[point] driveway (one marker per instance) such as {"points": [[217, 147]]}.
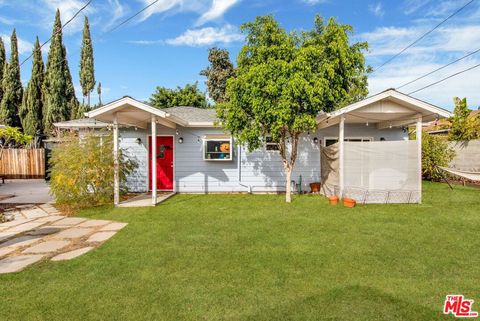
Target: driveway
{"points": [[25, 191]]}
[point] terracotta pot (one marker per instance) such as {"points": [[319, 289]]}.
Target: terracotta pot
{"points": [[348, 202], [333, 200], [315, 187]]}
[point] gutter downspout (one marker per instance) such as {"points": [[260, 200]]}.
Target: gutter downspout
{"points": [[239, 170]]}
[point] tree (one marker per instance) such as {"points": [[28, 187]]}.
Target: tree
{"points": [[284, 80], [31, 113], [87, 73], [2, 65], [99, 92], [12, 88], [57, 87], [190, 95], [464, 127], [220, 70], [435, 152], [73, 104]]}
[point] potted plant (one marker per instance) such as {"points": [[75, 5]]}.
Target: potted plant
{"points": [[333, 200], [315, 187], [349, 202]]}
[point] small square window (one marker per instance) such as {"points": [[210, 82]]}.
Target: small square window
{"points": [[270, 144], [217, 149]]}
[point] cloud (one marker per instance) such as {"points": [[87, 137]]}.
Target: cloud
{"points": [[207, 36], [67, 9], [146, 42], [377, 9], [9, 21], [117, 11], [24, 46], [163, 6], [412, 6], [218, 8]]}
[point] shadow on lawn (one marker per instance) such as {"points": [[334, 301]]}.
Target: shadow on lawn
{"points": [[351, 303]]}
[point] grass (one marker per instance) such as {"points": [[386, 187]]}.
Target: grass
{"points": [[253, 257]]}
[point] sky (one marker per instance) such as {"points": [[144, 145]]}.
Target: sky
{"points": [[167, 44]]}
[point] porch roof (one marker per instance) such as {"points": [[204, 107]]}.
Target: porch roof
{"points": [[389, 108], [132, 112]]}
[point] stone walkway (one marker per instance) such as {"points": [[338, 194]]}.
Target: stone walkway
{"points": [[42, 232]]}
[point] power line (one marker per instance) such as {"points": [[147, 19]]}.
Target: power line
{"points": [[423, 36], [130, 18], [440, 68], [443, 79], [64, 25]]}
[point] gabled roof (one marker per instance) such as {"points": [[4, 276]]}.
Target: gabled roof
{"points": [[80, 123], [132, 112], [387, 106]]}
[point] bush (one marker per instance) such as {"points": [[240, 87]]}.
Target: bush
{"points": [[435, 152], [82, 172]]}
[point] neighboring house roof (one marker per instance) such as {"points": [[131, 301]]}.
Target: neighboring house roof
{"points": [[443, 125], [81, 123], [389, 108], [193, 115]]}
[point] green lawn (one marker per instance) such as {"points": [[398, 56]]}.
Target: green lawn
{"points": [[253, 257]]}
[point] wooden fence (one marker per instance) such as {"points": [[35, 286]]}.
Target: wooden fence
{"points": [[22, 163]]}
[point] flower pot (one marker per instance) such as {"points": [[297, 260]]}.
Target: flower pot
{"points": [[314, 187], [333, 200], [348, 202]]}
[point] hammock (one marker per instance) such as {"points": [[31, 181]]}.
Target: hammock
{"points": [[473, 176]]}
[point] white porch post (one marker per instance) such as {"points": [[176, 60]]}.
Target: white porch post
{"points": [[116, 166], [154, 159], [419, 151], [341, 154]]}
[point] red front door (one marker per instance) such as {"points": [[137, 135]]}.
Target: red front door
{"points": [[164, 162]]}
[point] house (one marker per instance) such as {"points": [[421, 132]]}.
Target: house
{"points": [[363, 146], [442, 127]]}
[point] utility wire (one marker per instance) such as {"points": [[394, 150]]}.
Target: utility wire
{"points": [[440, 68], [131, 17], [423, 36], [443, 79], [64, 25]]}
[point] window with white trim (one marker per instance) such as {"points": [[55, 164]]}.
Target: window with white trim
{"points": [[217, 148], [270, 144], [332, 140]]}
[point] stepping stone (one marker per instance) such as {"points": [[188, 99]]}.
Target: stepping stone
{"points": [[70, 221], [72, 254], [25, 227], [20, 241], [5, 251], [15, 222], [115, 226], [94, 223], [34, 213], [48, 246], [100, 236], [50, 218], [73, 233], [46, 230], [7, 235], [17, 263]]}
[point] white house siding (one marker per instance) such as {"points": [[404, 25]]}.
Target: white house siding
{"points": [[260, 171]]}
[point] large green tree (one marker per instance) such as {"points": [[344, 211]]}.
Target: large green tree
{"points": [[12, 88], [59, 96], [283, 80], [31, 113], [218, 72], [2, 65], [189, 95], [87, 72]]}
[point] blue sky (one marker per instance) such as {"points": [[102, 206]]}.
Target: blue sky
{"points": [[168, 44]]}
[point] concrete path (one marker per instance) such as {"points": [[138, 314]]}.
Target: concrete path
{"points": [[25, 191], [41, 232]]}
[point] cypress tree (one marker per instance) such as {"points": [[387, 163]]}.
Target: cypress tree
{"points": [[2, 65], [31, 113], [73, 104], [87, 72], [99, 92], [12, 88], [56, 91]]}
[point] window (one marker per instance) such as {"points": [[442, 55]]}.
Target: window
{"points": [[217, 148], [332, 140], [270, 144]]}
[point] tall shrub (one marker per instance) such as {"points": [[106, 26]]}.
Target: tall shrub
{"points": [[435, 152], [82, 171]]}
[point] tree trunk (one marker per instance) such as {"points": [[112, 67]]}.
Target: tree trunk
{"points": [[288, 187], [88, 100]]}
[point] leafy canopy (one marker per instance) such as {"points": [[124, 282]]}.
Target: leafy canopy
{"points": [[87, 70], [13, 137], [435, 152], [464, 126], [220, 70], [189, 95], [284, 80]]}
